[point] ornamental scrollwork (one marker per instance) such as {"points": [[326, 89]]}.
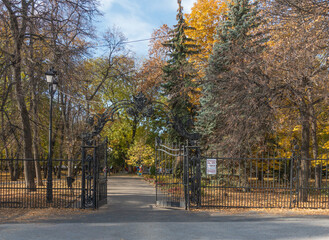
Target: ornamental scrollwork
{"points": [[138, 107]]}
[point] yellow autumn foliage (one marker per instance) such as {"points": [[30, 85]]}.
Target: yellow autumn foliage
{"points": [[140, 154], [204, 18]]}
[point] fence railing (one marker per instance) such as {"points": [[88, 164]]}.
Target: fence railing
{"points": [[264, 182], [183, 174], [14, 192]]}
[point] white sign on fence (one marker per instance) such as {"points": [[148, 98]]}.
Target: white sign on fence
{"points": [[211, 166]]}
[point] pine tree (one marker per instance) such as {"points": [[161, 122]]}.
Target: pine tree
{"points": [[234, 107], [179, 73]]}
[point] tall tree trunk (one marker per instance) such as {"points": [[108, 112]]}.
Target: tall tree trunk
{"points": [[70, 166], [134, 129], [18, 26], [36, 149], [69, 133], [27, 136], [62, 133], [305, 146], [34, 103], [315, 146], [12, 166], [242, 170]]}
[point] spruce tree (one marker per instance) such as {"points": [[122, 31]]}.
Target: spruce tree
{"points": [[179, 73], [234, 108]]}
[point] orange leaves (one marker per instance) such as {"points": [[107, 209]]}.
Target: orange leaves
{"points": [[150, 74]]}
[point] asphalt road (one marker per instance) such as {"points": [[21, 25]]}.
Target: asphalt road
{"points": [[131, 215]]}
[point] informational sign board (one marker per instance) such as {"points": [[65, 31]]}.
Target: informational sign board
{"points": [[211, 166]]}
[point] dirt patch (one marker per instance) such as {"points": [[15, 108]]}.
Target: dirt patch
{"points": [[10, 215]]}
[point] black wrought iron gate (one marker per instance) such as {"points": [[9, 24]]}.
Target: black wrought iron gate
{"points": [[169, 169], [94, 175], [178, 174]]}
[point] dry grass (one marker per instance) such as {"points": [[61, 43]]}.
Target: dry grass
{"points": [[256, 198], [259, 196], [15, 194], [10, 215]]}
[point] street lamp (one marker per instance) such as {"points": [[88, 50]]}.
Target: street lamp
{"points": [[52, 83]]}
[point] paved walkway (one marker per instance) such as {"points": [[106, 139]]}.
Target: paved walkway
{"points": [[131, 215]]}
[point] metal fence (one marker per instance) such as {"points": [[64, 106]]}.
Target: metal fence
{"points": [[14, 192], [75, 183], [263, 183], [186, 177]]}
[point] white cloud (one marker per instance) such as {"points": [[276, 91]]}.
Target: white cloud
{"points": [[172, 5], [106, 4], [132, 26], [187, 5]]}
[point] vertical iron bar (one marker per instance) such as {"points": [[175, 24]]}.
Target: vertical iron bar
{"points": [[156, 170], [291, 179], [188, 175], [83, 178], [95, 170]]}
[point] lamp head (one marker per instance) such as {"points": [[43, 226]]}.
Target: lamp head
{"points": [[50, 74]]}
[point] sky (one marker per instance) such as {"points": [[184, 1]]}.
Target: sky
{"points": [[138, 18]]}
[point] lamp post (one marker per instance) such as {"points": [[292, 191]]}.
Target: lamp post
{"points": [[52, 83]]}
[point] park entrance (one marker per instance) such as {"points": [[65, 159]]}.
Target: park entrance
{"points": [[186, 175]]}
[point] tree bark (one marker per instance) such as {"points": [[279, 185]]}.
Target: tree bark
{"points": [[34, 104], [36, 154], [27, 136], [315, 149], [243, 178], [305, 146], [18, 26]]}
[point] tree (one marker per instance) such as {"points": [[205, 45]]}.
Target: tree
{"points": [[179, 72], [141, 153], [298, 8], [150, 74], [35, 32], [299, 74], [18, 22], [235, 113]]}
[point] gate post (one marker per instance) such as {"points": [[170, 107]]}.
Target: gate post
{"points": [[83, 183], [156, 170], [95, 176], [105, 152], [198, 173], [193, 174], [186, 177], [291, 180]]}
